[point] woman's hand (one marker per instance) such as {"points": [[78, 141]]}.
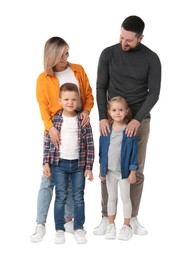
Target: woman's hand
{"points": [[85, 117], [55, 136]]}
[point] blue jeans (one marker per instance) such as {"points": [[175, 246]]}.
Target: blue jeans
{"points": [[44, 199], [61, 175]]}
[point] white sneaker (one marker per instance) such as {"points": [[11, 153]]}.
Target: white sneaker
{"points": [[125, 233], [59, 237], [101, 229], [39, 233], [80, 236], [69, 227], [137, 228], [111, 232]]}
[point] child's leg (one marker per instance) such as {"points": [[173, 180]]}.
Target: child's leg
{"points": [[61, 178], [125, 195], [112, 188], [78, 186], [69, 207]]}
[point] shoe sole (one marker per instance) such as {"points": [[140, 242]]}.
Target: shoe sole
{"points": [[58, 243], [37, 241], [143, 233], [124, 239]]}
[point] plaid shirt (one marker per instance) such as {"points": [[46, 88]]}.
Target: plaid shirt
{"points": [[51, 154]]}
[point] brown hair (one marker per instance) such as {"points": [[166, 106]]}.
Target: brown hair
{"points": [[68, 87]]}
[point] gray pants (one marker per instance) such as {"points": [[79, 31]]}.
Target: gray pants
{"points": [[136, 188], [113, 180]]}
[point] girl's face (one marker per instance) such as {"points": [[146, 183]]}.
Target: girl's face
{"points": [[69, 101], [117, 111], [62, 64]]}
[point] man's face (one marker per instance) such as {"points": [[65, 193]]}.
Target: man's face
{"points": [[129, 40]]}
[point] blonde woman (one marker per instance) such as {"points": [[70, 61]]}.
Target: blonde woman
{"points": [[57, 71]]}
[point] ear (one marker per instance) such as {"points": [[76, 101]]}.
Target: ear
{"points": [[141, 37], [59, 101]]}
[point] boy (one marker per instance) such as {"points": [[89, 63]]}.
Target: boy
{"points": [[73, 158]]}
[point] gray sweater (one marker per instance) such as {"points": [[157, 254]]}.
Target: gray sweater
{"points": [[134, 75]]}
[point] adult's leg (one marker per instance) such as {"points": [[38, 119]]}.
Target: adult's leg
{"points": [[137, 188], [43, 203], [104, 199], [44, 199]]}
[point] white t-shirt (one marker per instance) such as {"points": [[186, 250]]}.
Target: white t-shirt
{"points": [[69, 138], [68, 76]]}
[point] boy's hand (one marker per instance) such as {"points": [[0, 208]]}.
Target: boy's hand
{"points": [[89, 175], [46, 171]]}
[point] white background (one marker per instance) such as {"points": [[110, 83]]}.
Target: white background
{"points": [[88, 27]]}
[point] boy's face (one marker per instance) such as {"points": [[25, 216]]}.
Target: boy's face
{"points": [[69, 100]]}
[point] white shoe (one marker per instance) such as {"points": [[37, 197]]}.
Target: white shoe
{"points": [[39, 233], [69, 227], [101, 229], [111, 232], [59, 237], [137, 228], [80, 236], [125, 233]]}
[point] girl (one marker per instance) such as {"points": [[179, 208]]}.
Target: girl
{"points": [[118, 157]]}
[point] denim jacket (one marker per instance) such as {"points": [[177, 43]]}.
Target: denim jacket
{"points": [[129, 154]]}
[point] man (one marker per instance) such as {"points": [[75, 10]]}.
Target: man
{"points": [[133, 71]]}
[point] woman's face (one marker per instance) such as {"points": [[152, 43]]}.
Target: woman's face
{"points": [[62, 64]]}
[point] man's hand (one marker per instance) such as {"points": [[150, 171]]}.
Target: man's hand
{"points": [[132, 127], [104, 127]]}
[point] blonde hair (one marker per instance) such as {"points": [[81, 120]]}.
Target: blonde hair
{"points": [[128, 117], [53, 51]]}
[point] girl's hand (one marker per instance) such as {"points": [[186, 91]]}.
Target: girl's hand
{"points": [[132, 177], [102, 178]]}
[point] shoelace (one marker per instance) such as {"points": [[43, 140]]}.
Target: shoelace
{"points": [[124, 230], [80, 233], [110, 229], [60, 234]]}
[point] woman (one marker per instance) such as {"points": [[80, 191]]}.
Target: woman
{"points": [[57, 71]]}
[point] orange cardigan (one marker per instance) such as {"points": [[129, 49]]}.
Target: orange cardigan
{"points": [[47, 94]]}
